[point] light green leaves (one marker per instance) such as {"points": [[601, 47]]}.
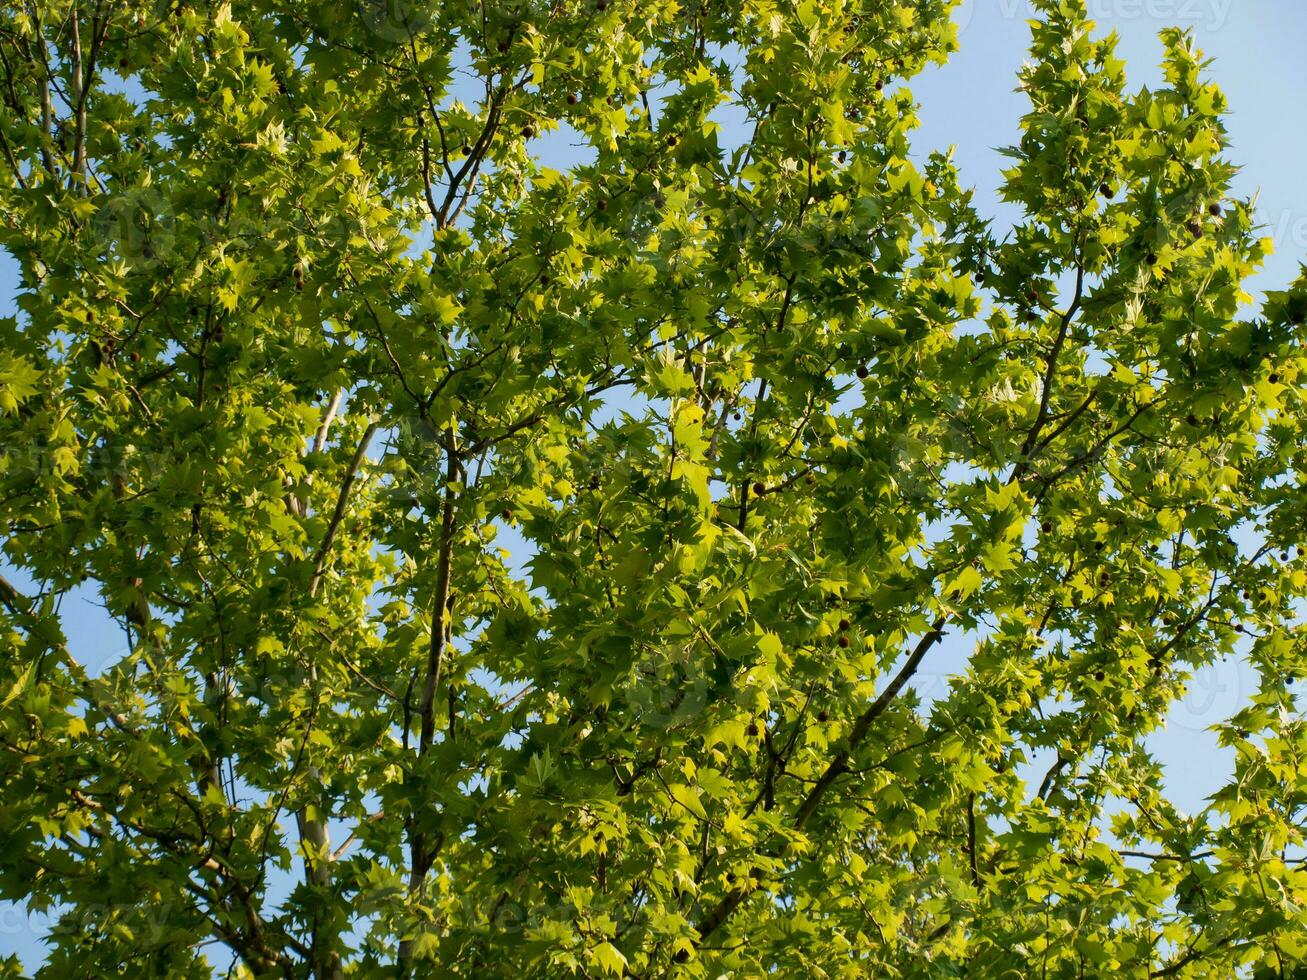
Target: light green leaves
{"points": [[760, 566], [19, 381], [609, 959]]}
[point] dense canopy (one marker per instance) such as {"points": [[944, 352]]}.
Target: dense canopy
{"points": [[535, 450]]}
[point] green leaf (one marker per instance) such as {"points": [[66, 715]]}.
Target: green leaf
{"points": [[609, 959]]}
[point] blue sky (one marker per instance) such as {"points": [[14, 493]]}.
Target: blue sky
{"points": [[971, 104], [1258, 51], [1258, 59]]}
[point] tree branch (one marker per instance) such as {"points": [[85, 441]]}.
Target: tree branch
{"points": [[839, 764], [342, 501], [711, 922], [1050, 372]]}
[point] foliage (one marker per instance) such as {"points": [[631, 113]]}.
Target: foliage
{"points": [[531, 571]]}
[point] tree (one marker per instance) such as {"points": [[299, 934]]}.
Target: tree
{"points": [[530, 572]]}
